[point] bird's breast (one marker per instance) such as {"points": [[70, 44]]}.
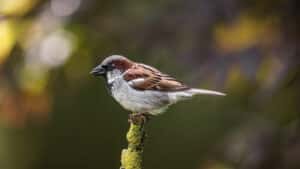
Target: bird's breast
{"points": [[135, 100]]}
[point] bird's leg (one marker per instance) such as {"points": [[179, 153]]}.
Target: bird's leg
{"points": [[138, 118]]}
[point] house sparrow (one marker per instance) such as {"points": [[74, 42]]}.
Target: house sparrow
{"points": [[143, 89]]}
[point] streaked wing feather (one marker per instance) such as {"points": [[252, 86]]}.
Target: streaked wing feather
{"points": [[152, 79]]}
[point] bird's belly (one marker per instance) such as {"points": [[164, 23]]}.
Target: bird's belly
{"points": [[140, 101]]}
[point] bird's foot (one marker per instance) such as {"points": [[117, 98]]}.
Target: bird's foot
{"points": [[138, 118]]}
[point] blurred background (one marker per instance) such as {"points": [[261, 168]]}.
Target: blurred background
{"points": [[55, 115]]}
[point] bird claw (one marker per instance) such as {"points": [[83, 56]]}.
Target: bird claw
{"points": [[138, 118]]}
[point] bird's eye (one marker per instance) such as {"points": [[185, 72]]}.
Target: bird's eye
{"points": [[108, 67]]}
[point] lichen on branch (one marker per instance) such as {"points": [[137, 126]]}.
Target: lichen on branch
{"points": [[131, 157]]}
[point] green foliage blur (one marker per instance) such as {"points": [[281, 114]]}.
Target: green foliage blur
{"points": [[55, 115]]}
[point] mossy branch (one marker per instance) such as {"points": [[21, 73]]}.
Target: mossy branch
{"points": [[131, 158]]}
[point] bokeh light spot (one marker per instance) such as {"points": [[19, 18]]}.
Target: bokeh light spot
{"points": [[7, 39], [64, 7], [56, 49]]}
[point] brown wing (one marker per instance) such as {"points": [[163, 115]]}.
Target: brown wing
{"points": [[143, 77]]}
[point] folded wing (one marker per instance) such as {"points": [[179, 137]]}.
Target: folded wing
{"points": [[144, 77]]}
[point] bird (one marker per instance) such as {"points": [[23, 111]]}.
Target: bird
{"points": [[143, 89]]}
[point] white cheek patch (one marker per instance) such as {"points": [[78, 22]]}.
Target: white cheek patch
{"points": [[112, 76], [110, 80]]}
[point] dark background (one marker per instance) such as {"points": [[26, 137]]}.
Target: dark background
{"points": [[55, 115]]}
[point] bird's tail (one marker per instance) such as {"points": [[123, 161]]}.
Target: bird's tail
{"points": [[187, 94], [194, 91]]}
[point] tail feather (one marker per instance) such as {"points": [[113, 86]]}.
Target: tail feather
{"points": [[194, 91], [187, 94]]}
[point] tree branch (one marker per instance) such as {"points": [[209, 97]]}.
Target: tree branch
{"points": [[131, 158]]}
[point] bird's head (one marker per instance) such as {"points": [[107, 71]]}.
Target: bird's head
{"points": [[114, 64]]}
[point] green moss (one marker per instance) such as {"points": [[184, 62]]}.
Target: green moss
{"points": [[134, 135], [131, 157]]}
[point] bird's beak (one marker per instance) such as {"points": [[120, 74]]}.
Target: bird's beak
{"points": [[98, 71]]}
